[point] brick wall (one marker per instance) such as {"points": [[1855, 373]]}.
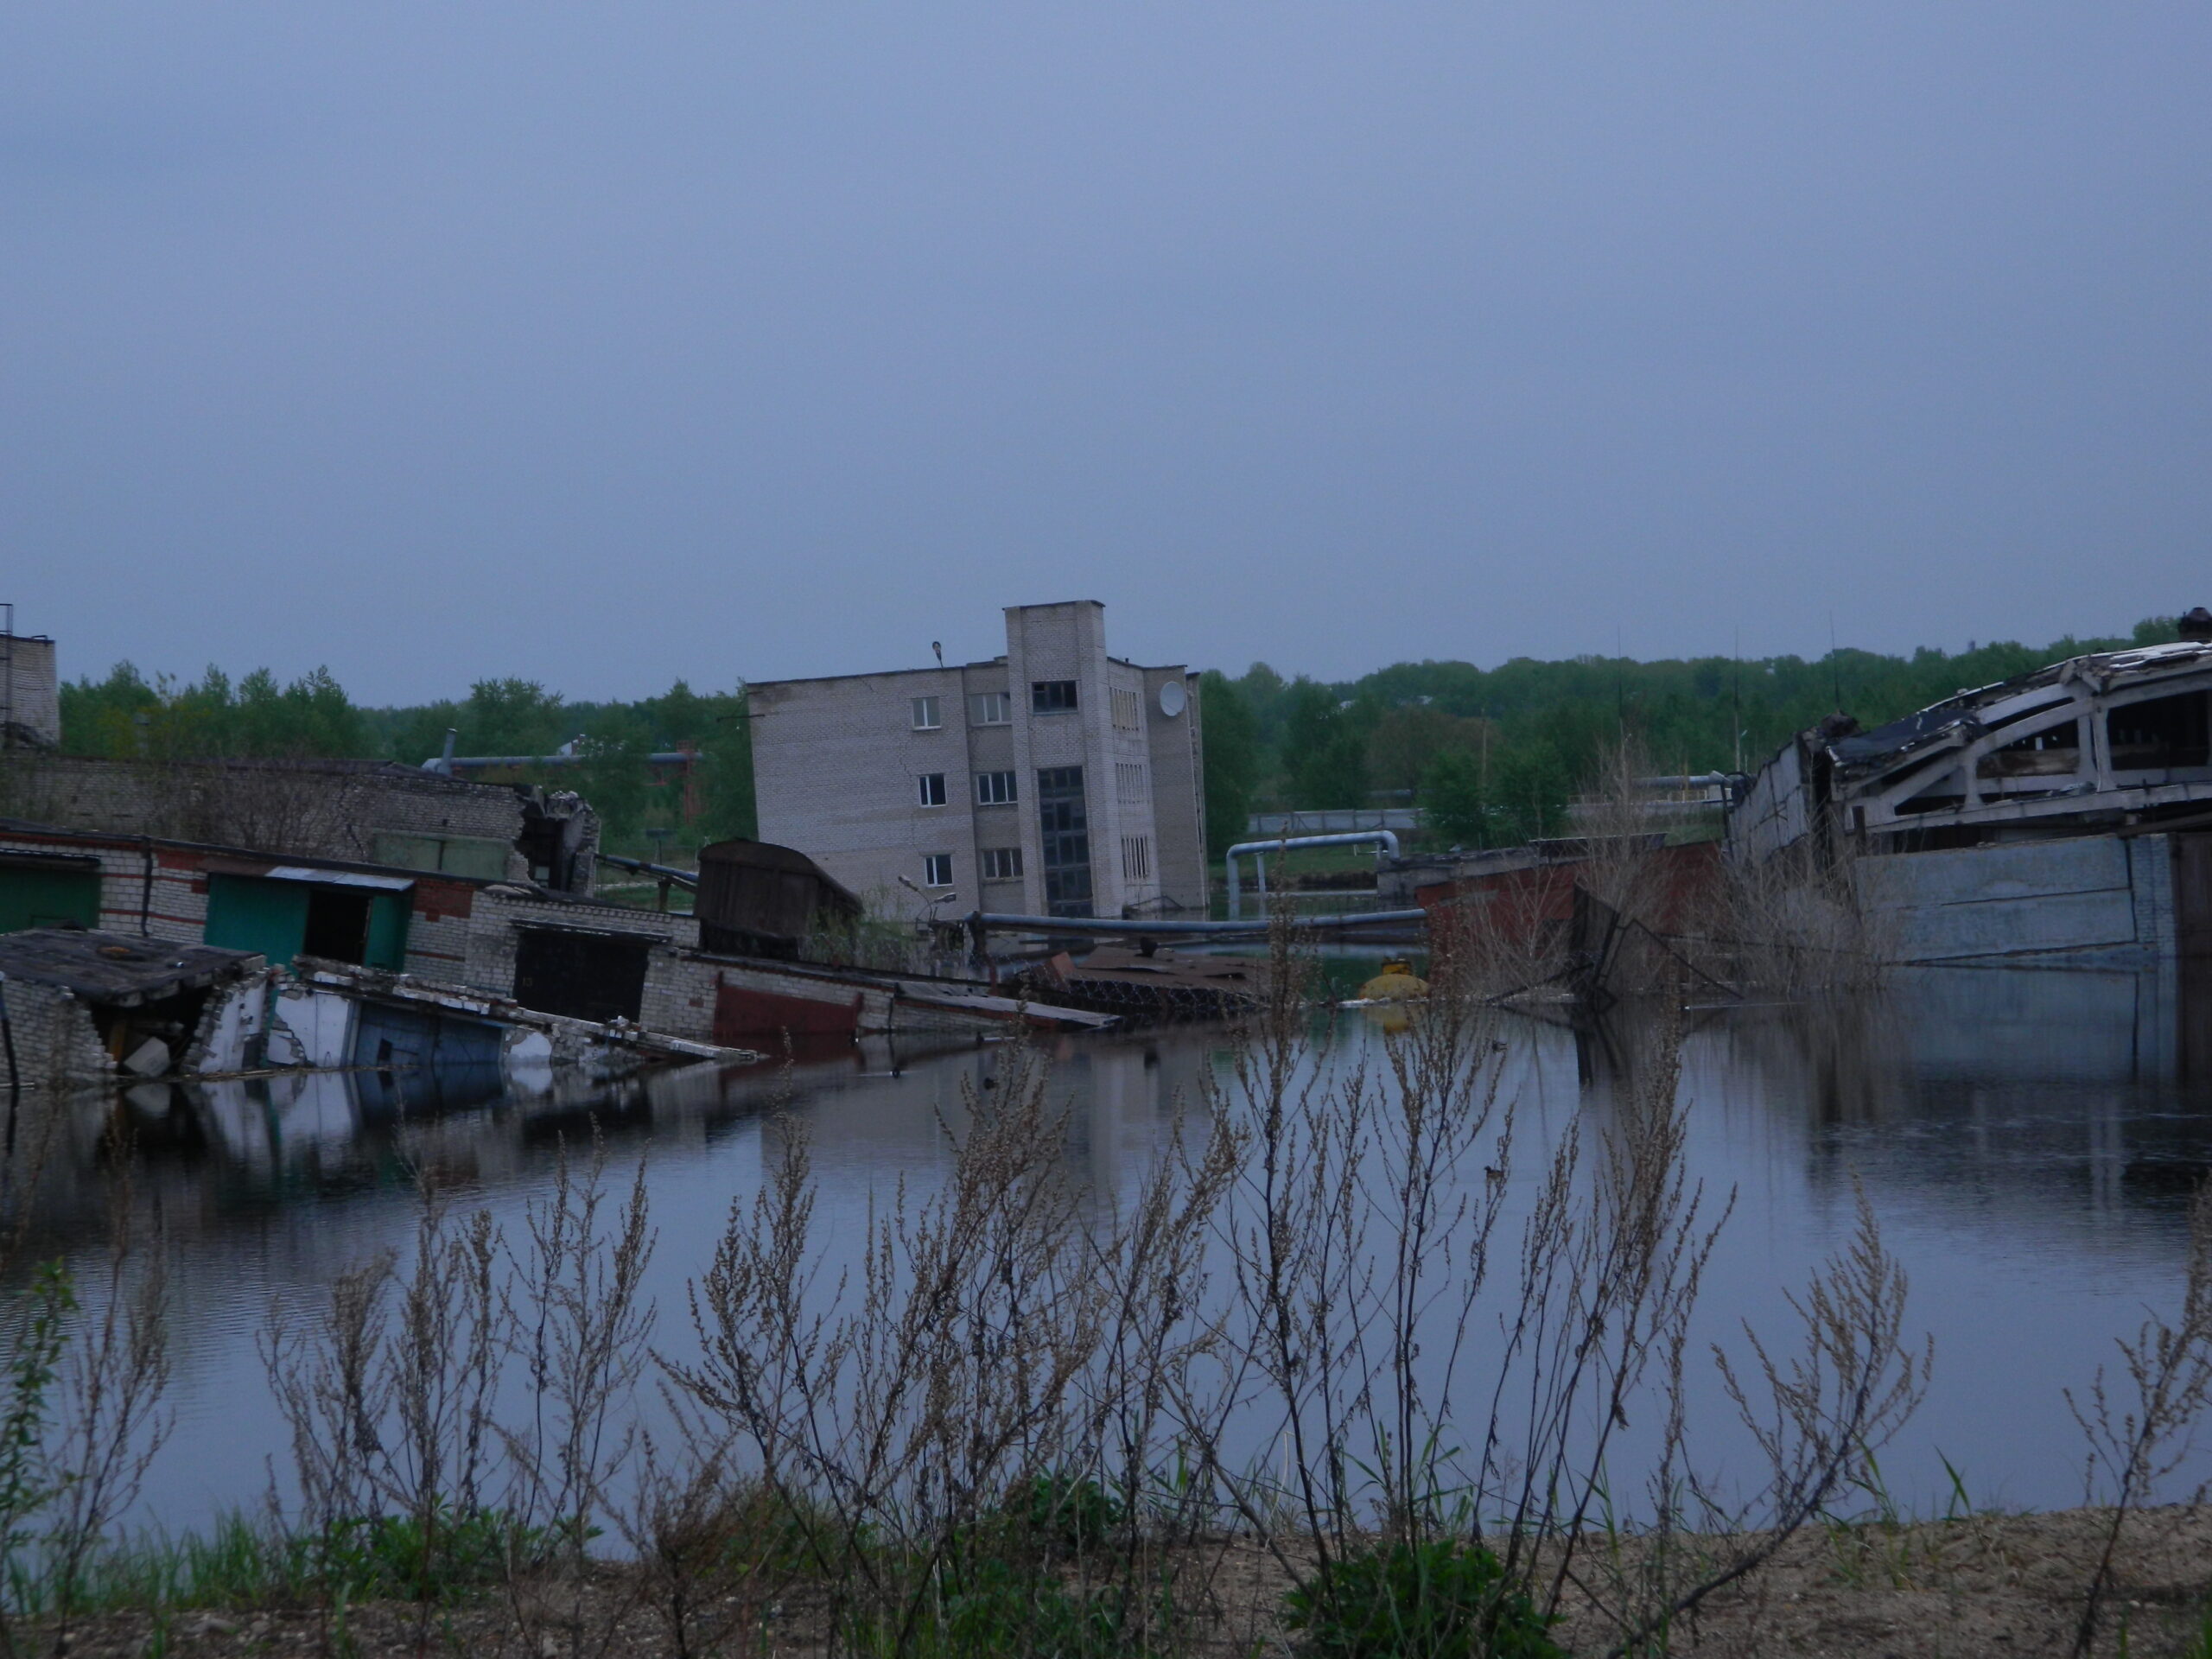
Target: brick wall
{"points": [[836, 766], [30, 690], [680, 995], [498, 915], [55, 1042], [310, 809], [437, 929], [1179, 793]]}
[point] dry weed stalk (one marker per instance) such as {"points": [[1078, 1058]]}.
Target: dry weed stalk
{"points": [[1360, 1230], [1003, 1351], [1818, 1413], [109, 1420], [1793, 925], [393, 1394], [2137, 1442], [583, 1336]]}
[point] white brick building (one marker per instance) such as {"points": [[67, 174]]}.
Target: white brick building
{"points": [[1055, 779]]}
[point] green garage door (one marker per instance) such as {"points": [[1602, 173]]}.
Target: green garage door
{"points": [[48, 893], [267, 918], [281, 920]]}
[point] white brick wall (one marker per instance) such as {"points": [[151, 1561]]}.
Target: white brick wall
{"points": [[56, 1043], [30, 690]]}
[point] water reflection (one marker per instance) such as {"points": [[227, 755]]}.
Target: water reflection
{"points": [[2028, 1139]]}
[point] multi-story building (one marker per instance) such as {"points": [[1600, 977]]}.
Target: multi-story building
{"points": [[1053, 781]]}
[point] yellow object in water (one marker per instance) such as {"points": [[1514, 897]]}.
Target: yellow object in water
{"points": [[1397, 982]]}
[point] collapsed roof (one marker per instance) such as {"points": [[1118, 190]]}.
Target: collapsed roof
{"points": [[2089, 742]]}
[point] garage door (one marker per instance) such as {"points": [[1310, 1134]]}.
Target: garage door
{"points": [[585, 976], [48, 893]]}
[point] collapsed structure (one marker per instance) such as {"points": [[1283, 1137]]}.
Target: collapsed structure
{"points": [[2065, 814]]}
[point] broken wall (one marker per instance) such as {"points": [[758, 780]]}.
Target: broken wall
{"points": [[360, 813], [55, 1041]]}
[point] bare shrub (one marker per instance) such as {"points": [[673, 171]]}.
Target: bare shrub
{"points": [[582, 1333], [1000, 1380], [111, 1422], [417, 1471], [2140, 1437], [1793, 925], [1818, 1413]]}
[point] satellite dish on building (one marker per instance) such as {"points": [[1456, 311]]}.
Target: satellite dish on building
{"points": [[1172, 698]]}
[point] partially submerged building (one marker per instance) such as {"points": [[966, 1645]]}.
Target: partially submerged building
{"points": [[79, 1004], [2061, 814], [1057, 779]]}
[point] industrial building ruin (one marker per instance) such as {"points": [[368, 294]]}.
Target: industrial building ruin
{"points": [[2085, 745], [2063, 814]]}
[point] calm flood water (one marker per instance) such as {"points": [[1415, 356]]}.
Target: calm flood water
{"points": [[2027, 1139]]}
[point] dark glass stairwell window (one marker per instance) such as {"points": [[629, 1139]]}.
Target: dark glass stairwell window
{"points": [[1067, 841]]}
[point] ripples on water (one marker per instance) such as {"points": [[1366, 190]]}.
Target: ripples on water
{"points": [[2028, 1139]]}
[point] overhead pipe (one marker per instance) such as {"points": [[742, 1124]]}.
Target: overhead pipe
{"points": [[1259, 849], [1121, 928], [666, 872], [447, 761]]}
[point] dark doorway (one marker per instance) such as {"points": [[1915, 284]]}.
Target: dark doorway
{"points": [[584, 975], [338, 925], [1066, 831]]}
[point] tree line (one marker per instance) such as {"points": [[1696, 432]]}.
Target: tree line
{"points": [[128, 717], [1492, 754]]}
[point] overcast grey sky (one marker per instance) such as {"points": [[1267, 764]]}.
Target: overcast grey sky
{"points": [[606, 344]]}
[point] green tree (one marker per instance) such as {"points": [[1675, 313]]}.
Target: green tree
{"points": [[1231, 742], [1451, 800], [613, 771], [1529, 786], [513, 716], [1405, 741], [1324, 750]]}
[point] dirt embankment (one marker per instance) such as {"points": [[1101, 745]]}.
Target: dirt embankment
{"points": [[2009, 1585]]}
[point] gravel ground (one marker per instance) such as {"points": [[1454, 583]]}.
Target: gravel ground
{"points": [[1985, 1585]]}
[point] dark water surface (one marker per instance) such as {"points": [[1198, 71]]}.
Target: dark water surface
{"points": [[2027, 1139]]}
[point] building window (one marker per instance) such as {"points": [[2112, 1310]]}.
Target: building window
{"points": [[1128, 709], [937, 869], [1136, 858], [1002, 864], [925, 714], [995, 789], [1067, 832], [991, 708], [1051, 697], [1128, 781], [932, 788]]}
